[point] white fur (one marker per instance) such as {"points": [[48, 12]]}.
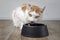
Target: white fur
{"points": [[19, 17]]}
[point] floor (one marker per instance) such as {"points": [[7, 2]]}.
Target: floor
{"points": [[9, 32]]}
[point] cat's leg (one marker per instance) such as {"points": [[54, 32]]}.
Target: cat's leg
{"points": [[21, 26]]}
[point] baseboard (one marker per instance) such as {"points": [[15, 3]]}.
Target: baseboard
{"points": [[42, 19]]}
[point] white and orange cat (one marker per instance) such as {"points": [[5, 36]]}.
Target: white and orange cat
{"points": [[25, 14]]}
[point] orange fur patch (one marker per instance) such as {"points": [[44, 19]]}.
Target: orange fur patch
{"points": [[24, 7], [36, 9]]}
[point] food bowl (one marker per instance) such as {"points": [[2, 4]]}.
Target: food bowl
{"points": [[34, 30]]}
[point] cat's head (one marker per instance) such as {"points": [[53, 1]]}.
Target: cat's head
{"points": [[34, 12]]}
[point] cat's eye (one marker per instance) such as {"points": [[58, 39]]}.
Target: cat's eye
{"points": [[36, 16], [32, 9], [30, 15]]}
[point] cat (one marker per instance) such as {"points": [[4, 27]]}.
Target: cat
{"points": [[26, 14]]}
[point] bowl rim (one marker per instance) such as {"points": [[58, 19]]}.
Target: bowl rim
{"points": [[41, 24]]}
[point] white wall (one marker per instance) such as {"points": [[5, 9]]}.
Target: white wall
{"points": [[52, 11]]}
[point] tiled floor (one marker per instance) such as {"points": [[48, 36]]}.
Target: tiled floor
{"points": [[9, 32]]}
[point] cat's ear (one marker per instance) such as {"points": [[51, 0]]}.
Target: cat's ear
{"points": [[23, 7], [42, 9]]}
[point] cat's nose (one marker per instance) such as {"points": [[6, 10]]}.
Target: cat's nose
{"points": [[32, 21]]}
